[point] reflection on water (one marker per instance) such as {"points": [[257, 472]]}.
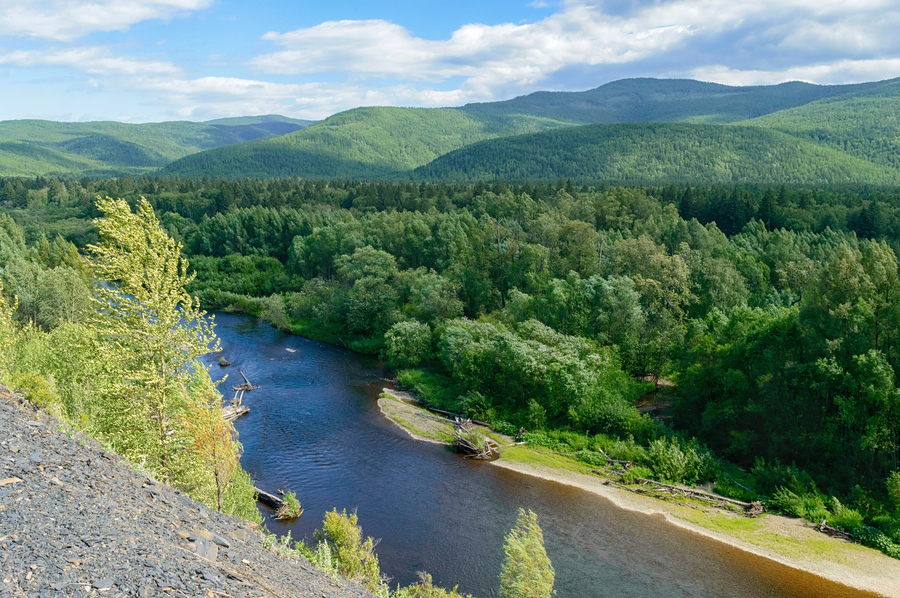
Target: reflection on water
{"points": [[314, 428]]}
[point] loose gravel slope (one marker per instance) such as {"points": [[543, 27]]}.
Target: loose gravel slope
{"points": [[75, 520]]}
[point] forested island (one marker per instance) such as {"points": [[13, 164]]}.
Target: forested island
{"points": [[767, 316]]}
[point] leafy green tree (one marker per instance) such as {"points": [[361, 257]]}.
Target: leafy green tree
{"points": [[407, 344], [152, 327], [527, 571]]}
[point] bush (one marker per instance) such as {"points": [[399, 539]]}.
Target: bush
{"points": [[505, 428], [541, 439], [809, 506], [274, 312], [844, 518], [290, 508], [621, 450], [591, 458], [873, 538], [633, 473], [353, 557], [675, 463]]}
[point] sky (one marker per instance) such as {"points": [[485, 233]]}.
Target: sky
{"points": [[157, 60]]}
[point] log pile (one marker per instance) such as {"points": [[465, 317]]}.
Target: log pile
{"points": [[471, 445], [235, 410]]}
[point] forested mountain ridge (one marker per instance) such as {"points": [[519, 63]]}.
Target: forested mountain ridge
{"points": [[658, 153], [666, 100], [363, 142], [846, 134], [41, 147]]}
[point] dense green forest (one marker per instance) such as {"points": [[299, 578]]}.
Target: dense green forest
{"points": [[668, 100], [773, 311], [359, 143], [658, 153], [36, 147]]}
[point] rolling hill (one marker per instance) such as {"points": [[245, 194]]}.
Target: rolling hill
{"points": [[38, 147], [851, 129], [359, 143], [657, 153]]}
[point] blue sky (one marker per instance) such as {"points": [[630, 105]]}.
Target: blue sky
{"points": [[153, 60]]}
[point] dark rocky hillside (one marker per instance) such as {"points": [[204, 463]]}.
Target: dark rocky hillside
{"points": [[77, 521]]}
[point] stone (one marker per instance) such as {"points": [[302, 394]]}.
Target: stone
{"points": [[103, 584], [206, 549]]}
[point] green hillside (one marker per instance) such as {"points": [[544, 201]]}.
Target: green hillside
{"points": [[38, 147], [865, 125], [657, 153], [362, 143], [666, 100], [386, 142]]}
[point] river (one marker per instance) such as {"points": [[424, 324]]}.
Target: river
{"points": [[314, 427]]}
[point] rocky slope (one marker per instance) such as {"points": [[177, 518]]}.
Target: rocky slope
{"points": [[75, 520]]}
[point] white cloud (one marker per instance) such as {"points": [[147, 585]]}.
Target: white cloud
{"points": [[581, 35], [227, 96], [842, 71], [95, 60], [65, 20]]}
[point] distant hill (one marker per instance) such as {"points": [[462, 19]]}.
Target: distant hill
{"points": [[38, 147], [666, 100], [865, 124], [359, 143], [852, 121], [657, 153]]}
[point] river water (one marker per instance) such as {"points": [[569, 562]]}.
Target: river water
{"points": [[314, 427]]}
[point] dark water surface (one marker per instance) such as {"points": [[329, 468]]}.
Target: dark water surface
{"points": [[314, 427]]}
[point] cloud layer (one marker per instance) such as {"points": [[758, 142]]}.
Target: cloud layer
{"points": [[317, 70]]}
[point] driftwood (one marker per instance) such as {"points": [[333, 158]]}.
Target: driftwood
{"points": [[246, 386], [833, 532], [270, 500], [231, 412], [473, 448], [235, 409], [656, 489]]}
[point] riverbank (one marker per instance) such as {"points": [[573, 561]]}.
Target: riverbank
{"points": [[788, 541]]}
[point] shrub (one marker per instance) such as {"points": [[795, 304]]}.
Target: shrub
{"points": [[354, 558], [873, 538], [893, 489], [633, 473], [290, 508], [809, 506], [541, 439], [591, 458], [675, 463], [505, 428], [424, 588], [843, 517]]}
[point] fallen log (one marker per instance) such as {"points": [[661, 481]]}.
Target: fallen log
{"points": [[246, 386], [833, 532], [270, 500]]}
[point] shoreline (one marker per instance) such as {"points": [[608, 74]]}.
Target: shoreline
{"points": [[838, 561]]}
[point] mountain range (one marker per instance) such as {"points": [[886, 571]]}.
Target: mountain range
{"points": [[634, 130]]}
